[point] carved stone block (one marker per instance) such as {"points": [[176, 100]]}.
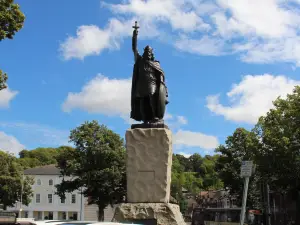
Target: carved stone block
{"points": [[149, 162], [151, 213]]}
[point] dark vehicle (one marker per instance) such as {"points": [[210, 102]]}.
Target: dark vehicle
{"points": [[224, 216]]}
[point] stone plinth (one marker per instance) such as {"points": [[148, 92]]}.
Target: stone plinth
{"points": [[151, 213], [149, 162]]}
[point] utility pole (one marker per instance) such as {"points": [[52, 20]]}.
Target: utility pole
{"points": [[246, 172], [266, 200], [21, 199], [244, 203], [81, 204]]}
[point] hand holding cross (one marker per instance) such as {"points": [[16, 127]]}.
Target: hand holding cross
{"points": [[136, 27]]}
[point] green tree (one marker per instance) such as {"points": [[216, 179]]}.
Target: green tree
{"points": [[182, 179], [97, 165], [279, 132], [3, 79], [195, 173], [41, 156], [12, 20], [210, 176], [27, 163], [196, 162], [177, 170], [184, 162], [242, 145], [13, 183], [183, 205]]}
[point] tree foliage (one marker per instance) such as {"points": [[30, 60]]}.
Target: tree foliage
{"points": [[3, 79], [39, 156], [243, 145], [279, 132], [12, 180], [11, 21], [273, 145], [97, 164], [194, 174], [11, 17]]}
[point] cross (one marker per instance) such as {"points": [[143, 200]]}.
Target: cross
{"points": [[136, 26]]}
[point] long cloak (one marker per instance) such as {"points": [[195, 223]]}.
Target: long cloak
{"points": [[136, 113]]}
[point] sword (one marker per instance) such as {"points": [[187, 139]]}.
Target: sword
{"points": [[136, 27]]}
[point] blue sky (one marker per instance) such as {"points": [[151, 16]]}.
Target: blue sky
{"points": [[224, 61]]}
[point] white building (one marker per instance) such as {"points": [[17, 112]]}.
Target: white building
{"points": [[46, 205]]}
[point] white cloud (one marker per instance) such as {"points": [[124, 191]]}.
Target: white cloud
{"points": [[176, 13], [92, 40], [204, 46], [6, 95], [268, 18], [110, 97], [10, 144], [252, 97], [270, 51], [186, 155], [258, 31], [40, 135], [175, 122], [182, 120], [185, 138], [102, 95]]}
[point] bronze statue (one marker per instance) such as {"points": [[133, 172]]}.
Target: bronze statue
{"points": [[148, 92]]}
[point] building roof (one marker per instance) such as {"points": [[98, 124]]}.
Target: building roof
{"points": [[43, 170]]}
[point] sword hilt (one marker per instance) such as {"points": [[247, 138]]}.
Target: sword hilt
{"points": [[135, 26]]}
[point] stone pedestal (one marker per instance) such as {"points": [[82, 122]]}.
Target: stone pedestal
{"points": [[149, 214], [149, 162]]}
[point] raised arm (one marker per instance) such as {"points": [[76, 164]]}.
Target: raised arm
{"points": [[134, 41]]}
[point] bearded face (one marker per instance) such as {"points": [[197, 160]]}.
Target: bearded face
{"points": [[148, 53]]}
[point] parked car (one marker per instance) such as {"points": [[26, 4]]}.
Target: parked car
{"points": [[57, 222]]}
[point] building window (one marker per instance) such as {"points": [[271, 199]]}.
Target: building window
{"points": [[38, 182], [64, 215], [40, 215], [73, 200], [50, 216], [50, 182], [75, 216], [63, 200], [37, 198], [50, 200], [26, 214]]}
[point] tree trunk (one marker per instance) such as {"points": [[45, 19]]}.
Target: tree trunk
{"points": [[100, 213], [298, 208], [267, 201]]}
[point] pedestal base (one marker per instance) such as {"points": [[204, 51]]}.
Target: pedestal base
{"points": [[149, 214], [149, 162]]}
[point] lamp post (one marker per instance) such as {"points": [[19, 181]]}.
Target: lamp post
{"points": [[21, 199], [81, 202]]}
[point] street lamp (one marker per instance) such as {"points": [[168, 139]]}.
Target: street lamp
{"points": [[81, 201], [21, 199]]}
